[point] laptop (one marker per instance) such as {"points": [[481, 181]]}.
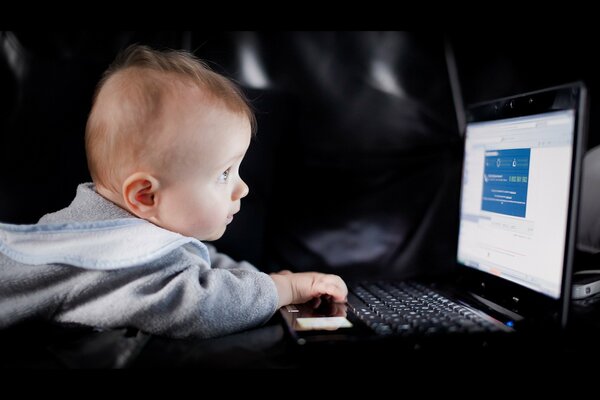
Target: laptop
{"points": [[519, 196]]}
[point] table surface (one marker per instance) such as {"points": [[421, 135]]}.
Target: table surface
{"points": [[269, 347]]}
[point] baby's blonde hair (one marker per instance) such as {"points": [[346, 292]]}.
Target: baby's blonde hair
{"points": [[122, 120]]}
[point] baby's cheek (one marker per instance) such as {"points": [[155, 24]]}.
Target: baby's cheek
{"points": [[209, 223]]}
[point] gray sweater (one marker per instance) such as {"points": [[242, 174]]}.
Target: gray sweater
{"points": [[177, 295]]}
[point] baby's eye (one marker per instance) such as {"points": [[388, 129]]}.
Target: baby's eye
{"points": [[224, 176]]}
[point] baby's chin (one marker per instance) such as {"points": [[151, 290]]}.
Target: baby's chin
{"points": [[210, 238]]}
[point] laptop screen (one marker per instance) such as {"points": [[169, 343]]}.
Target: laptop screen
{"points": [[516, 193]]}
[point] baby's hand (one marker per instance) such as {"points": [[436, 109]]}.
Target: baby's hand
{"points": [[296, 288]]}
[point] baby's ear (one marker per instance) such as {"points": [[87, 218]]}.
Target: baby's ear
{"points": [[139, 191]]}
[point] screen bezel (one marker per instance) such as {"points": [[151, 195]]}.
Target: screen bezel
{"points": [[517, 298]]}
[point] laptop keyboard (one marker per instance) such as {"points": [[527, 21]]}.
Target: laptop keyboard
{"points": [[407, 308]]}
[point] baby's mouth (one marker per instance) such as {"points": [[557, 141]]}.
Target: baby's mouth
{"points": [[230, 216]]}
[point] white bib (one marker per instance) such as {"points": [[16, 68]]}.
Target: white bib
{"points": [[100, 245]]}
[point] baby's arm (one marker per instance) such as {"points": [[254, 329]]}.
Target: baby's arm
{"points": [[220, 260], [296, 288]]}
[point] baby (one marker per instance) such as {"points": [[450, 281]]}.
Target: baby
{"points": [[164, 141]]}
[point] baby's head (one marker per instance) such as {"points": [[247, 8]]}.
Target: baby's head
{"points": [[165, 140]]}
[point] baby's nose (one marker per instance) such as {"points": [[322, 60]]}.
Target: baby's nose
{"points": [[242, 190]]}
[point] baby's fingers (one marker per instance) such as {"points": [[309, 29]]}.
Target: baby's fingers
{"points": [[285, 272], [335, 287]]}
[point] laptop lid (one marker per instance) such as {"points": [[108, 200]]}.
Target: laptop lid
{"points": [[519, 196]]}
